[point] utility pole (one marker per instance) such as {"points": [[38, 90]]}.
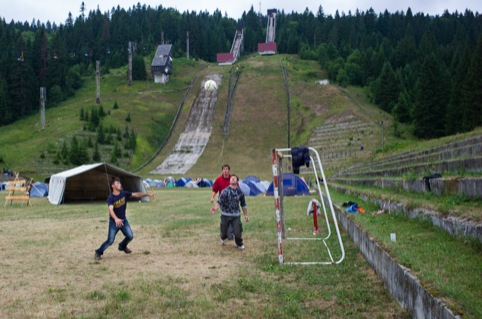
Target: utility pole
{"points": [[43, 98], [97, 80], [131, 49], [187, 45]]}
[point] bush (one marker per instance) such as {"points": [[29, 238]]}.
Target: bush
{"points": [[55, 95]]}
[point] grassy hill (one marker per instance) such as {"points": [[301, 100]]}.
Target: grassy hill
{"points": [[258, 122], [151, 106]]}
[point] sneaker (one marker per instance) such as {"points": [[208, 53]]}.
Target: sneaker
{"points": [[126, 250], [97, 256], [221, 241], [240, 247]]}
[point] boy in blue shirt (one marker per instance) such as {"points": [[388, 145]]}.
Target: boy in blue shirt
{"points": [[117, 203]]}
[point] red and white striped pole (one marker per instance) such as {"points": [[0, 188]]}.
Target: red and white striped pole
{"points": [[315, 217], [277, 207]]}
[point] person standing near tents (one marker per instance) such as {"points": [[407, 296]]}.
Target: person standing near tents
{"points": [[117, 203], [229, 201], [219, 185]]}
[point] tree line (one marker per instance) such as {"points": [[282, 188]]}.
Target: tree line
{"points": [[425, 70]]}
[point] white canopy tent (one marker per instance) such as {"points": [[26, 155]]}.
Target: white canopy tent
{"points": [[90, 182]]}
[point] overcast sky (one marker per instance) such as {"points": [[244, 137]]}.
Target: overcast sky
{"points": [[58, 10]]}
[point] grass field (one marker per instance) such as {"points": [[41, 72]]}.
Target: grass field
{"points": [[178, 269]]}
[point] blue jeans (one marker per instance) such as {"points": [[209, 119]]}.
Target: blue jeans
{"points": [[113, 229]]}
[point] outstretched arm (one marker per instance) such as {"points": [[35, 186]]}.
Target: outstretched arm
{"points": [[141, 195]]}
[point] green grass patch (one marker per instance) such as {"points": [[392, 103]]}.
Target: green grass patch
{"points": [[446, 266]]}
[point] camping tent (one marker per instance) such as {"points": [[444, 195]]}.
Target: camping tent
{"points": [[253, 189], [90, 182], [191, 184], [263, 186], [159, 184], [182, 181], [251, 178], [292, 186], [245, 188], [170, 181], [203, 182], [39, 189]]}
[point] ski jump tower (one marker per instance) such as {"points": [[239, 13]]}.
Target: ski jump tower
{"points": [[236, 48], [269, 46]]}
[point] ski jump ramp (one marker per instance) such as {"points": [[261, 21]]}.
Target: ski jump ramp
{"points": [[193, 140]]}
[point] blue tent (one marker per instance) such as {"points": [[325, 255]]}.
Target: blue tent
{"points": [[292, 186], [251, 178], [245, 188], [203, 182], [39, 190], [253, 188], [157, 183], [182, 181]]}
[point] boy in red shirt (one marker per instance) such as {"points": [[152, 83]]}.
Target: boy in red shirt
{"points": [[219, 185]]}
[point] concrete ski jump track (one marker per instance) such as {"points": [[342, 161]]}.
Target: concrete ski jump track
{"points": [[193, 140]]}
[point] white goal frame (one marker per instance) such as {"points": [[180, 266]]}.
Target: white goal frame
{"points": [[277, 165]]}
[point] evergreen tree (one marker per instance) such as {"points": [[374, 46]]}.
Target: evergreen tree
{"points": [[5, 112], [116, 153], [58, 158], [101, 112], [74, 151], [119, 134], [406, 50], [353, 68], [100, 134], [96, 153], [431, 100], [108, 138], [133, 140], [64, 151], [342, 78], [94, 118], [472, 91], [82, 116], [83, 155], [387, 89], [138, 68], [23, 92], [402, 109], [455, 117], [54, 95]]}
